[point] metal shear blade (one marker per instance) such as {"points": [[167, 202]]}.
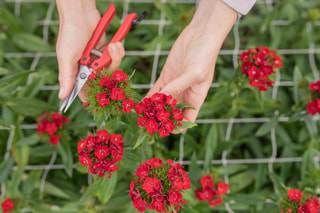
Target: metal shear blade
{"points": [[77, 86]]}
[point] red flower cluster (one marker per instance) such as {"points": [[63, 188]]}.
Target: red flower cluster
{"points": [[209, 192], [109, 91], [157, 186], [314, 106], [158, 114], [101, 152], [301, 205], [7, 205], [259, 63], [50, 125]]}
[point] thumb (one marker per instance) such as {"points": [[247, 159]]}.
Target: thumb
{"points": [[181, 83]]}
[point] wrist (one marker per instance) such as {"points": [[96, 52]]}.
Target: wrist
{"points": [[214, 18], [71, 8]]}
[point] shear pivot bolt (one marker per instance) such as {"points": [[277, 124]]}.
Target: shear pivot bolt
{"points": [[83, 75]]}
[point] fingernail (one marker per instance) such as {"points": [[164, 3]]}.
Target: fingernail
{"points": [[61, 91], [119, 44], [165, 93], [114, 47]]}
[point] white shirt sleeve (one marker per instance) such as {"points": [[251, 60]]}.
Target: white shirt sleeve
{"points": [[241, 6]]}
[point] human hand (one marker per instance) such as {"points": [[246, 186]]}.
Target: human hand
{"points": [[78, 20], [189, 69]]}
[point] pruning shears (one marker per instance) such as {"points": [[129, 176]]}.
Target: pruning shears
{"points": [[87, 66]]}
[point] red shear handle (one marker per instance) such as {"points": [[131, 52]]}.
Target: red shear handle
{"points": [[105, 58], [100, 29]]}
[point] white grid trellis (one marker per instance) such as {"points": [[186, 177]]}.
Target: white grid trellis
{"points": [[47, 22]]}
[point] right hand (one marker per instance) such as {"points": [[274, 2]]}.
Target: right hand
{"points": [[78, 20]]}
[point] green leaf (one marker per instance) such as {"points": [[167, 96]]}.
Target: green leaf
{"points": [[183, 105], [266, 127], [297, 77], [6, 168], [30, 42], [307, 162], [166, 10], [107, 187], [311, 126], [4, 71], [67, 158], [242, 180], [28, 106], [55, 191], [4, 124], [42, 150], [142, 137], [185, 125], [8, 20], [277, 182], [30, 183], [231, 169], [92, 190], [21, 155], [210, 146], [13, 186], [10, 82], [33, 87], [30, 140], [81, 169]]}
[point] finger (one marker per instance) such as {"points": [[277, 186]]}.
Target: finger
{"points": [[67, 74], [178, 85], [195, 96], [102, 42], [83, 94], [116, 52], [156, 87]]}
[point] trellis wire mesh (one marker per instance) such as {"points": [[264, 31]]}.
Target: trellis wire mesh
{"points": [[310, 52]]}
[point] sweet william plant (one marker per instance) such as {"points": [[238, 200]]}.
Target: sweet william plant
{"points": [[69, 187]]}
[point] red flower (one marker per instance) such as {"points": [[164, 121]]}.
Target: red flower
{"points": [[54, 139], [163, 132], [82, 145], [51, 126], [216, 202], [315, 86], [101, 95], [294, 194], [119, 76], [151, 185], [207, 181], [139, 204], [104, 102], [117, 94], [157, 204], [222, 188], [211, 192], [152, 125], [127, 105], [7, 205], [163, 115], [85, 160], [157, 185], [101, 152], [157, 114], [92, 76], [105, 81], [259, 63], [311, 206]]}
